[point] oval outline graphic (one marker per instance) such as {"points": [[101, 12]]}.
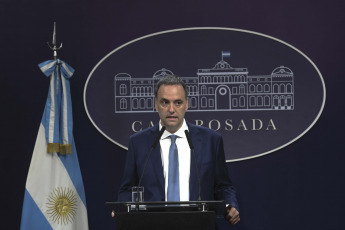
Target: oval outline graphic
{"points": [[213, 28]]}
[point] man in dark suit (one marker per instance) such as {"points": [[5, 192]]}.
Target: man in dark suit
{"points": [[171, 103]]}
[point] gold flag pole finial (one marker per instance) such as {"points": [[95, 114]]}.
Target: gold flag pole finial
{"points": [[54, 43]]}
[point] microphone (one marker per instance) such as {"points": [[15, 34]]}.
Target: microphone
{"points": [[153, 147], [191, 146], [158, 137]]}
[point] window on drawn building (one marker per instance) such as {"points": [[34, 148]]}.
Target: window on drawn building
{"points": [[142, 103], [211, 103], [243, 78], [203, 102], [267, 101], [195, 89], [252, 88], [234, 103], [242, 89], [135, 103], [289, 88], [134, 91], [215, 79], [252, 101], [242, 101], [123, 103], [192, 102], [259, 101], [289, 101], [149, 103], [203, 89], [259, 88], [123, 89], [276, 88], [282, 88], [276, 101]]}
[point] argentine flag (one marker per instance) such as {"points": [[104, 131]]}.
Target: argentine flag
{"points": [[54, 194], [225, 54]]}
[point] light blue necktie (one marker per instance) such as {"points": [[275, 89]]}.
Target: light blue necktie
{"points": [[173, 180]]}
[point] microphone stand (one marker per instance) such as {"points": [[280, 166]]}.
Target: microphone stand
{"points": [[147, 161], [191, 146]]}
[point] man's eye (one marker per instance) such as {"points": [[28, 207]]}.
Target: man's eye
{"points": [[164, 103]]}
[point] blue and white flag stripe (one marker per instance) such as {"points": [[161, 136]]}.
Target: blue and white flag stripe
{"points": [[58, 120], [225, 53], [54, 195]]}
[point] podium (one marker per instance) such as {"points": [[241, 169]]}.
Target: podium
{"points": [[198, 215]]}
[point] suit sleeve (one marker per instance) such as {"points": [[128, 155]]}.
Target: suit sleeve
{"points": [[130, 175], [224, 190]]}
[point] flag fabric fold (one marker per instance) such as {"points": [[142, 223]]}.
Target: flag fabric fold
{"points": [[57, 117], [54, 194]]}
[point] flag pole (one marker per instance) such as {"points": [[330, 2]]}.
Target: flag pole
{"points": [[54, 46]]}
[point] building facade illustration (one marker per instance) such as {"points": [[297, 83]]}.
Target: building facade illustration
{"points": [[221, 88]]}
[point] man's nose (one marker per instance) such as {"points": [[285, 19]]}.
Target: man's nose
{"points": [[171, 108]]}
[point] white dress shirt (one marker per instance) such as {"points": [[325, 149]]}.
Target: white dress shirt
{"points": [[183, 157]]}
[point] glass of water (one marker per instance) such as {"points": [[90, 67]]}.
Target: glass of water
{"points": [[137, 194]]}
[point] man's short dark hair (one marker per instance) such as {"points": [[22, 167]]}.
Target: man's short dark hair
{"points": [[171, 80]]}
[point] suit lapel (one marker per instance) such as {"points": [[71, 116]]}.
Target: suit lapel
{"points": [[193, 184], [156, 162]]}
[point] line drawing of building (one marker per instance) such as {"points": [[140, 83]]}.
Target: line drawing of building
{"points": [[221, 88]]}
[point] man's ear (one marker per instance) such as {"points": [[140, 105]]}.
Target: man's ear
{"points": [[156, 104], [187, 104]]}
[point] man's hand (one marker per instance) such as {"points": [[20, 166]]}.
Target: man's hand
{"points": [[233, 216]]}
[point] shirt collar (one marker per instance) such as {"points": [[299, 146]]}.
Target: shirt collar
{"points": [[180, 133]]}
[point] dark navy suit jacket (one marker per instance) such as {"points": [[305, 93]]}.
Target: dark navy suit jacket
{"points": [[209, 152]]}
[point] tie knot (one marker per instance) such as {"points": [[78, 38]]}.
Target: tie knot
{"points": [[173, 138]]}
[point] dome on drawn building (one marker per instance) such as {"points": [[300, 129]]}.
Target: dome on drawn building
{"points": [[162, 73], [123, 76], [282, 71], [222, 65]]}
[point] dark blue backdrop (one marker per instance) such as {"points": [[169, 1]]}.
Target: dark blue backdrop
{"points": [[298, 187]]}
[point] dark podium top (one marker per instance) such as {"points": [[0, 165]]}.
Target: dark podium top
{"points": [[168, 206], [183, 215]]}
